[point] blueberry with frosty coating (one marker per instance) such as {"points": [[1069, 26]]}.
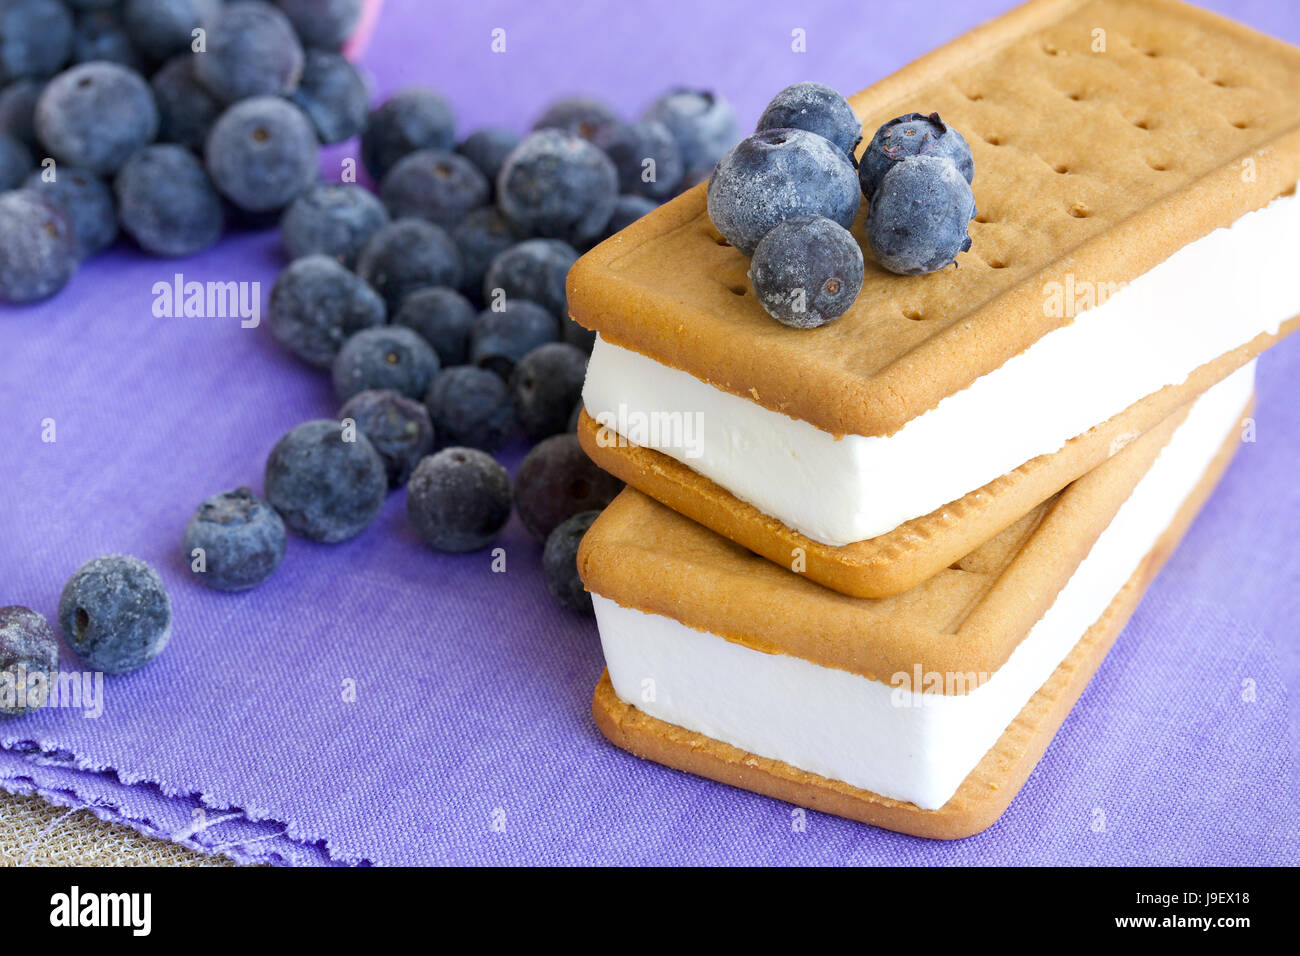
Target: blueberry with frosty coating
{"points": [[252, 51], [115, 614], [325, 486], [488, 148], [186, 111], [101, 35], [578, 116], [556, 481], [18, 110], [95, 115], [920, 217], [164, 28], [35, 38], [262, 153], [458, 500], [334, 220], [15, 162], [38, 249], [558, 186], [316, 305], [807, 271], [544, 385], [87, 202], [470, 406], [433, 184], [398, 427], [534, 269], [560, 562], [776, 175], [167, 203], [702, 122], [406, 255], [240, 539], [326, 25], [818, 109], [502, 338], [387, 356], [334, 95], [29, 658], [411, 120], [913, 134], [646, 156], [444, 318], [480, 237]]}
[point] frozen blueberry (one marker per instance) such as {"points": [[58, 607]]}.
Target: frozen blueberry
{"points": [[95, 115], [186, 111], [334, 95], [920, 216], [558, 186], [913, 134], [18, 110], [15, 162], [164, 28], [776, 175], [627, 210], [702, 123], [818, 109], [544, 385], [29, 660], [577, 116], [252, 51], [35, 38], [501, 338], [326, 483], [487, 149], [411, 120], [398, 427], [317, 304], [470, 406], [807, 271], [480, 237], [115, 614], [38, 249], [534, 270], [557, 481], [406, 255], [167, 203], [388, 356], [435, 185], [458, 500], [87, 202], [234, 541], [646, 156], [560, 562], [100, 35], [574, 416], [325, 24], [335, 221], [262, 153], [444, 318]]}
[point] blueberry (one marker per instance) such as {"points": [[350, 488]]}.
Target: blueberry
{"points": [[29, 660], [167, 203], [317, 304], [398, 427], [702, 123], [388, 356], [335, 221], [502, 338], [577, 116], [325, 486], [262, 153], [458, 500], [15, 162], [776, 175], [646, 156], [574, 416], [558, 186], [334, 95], [627, 210], [406, 255], [35, 38], [807, 271], [435, 185], [470, 406], [38, 249], [480, 237], [325, 24], [920, 217], [560, 562], [544, 385], [100, 35], [252, 51], [411, 120], [487, 149], [18, 110], [444, 318], [534, 270], [164, 28], [913, 134], [817, 109], [186, 111], [95, 115], [87, 202], [240, 539], [115, 614], [557, 481]]}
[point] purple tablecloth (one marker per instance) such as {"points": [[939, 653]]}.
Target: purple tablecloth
{"points": [[469, 739]]}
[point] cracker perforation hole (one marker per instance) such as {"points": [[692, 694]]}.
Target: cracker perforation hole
{"points": [[1050, 49], [1142, 124], [1157, 165], [737, 289], [983, 218], [1080, 211], [974, 97], [1061, 168], [722, 241], [993, 140], [1239, 124], [913, 313], [1074, 96], [996, 263]]}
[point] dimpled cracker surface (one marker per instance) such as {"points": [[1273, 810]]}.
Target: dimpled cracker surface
{"points": [[1092, 163]]}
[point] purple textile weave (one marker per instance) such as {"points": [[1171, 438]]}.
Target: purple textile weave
{"points": [[470, 738]]}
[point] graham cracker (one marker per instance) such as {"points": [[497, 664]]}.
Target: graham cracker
{"points": [[1092, 165]]}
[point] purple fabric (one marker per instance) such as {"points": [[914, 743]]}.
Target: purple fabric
{"points": [[472, 688]]}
